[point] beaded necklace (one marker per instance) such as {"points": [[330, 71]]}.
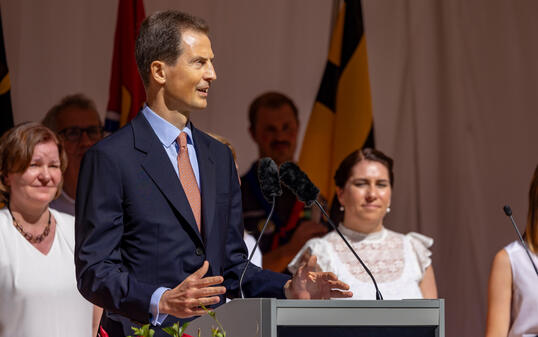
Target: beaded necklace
{"points": [[28, 236]]}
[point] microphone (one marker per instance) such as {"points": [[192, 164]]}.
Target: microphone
{"points": [[270, 185], [508, 212], [269, 179], [299, 183]]}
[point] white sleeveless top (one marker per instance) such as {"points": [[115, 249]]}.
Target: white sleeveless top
{"points": [[524, 308], [38, 293], [397, 261]]}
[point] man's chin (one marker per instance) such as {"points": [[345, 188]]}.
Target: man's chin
{"points": [[200, 104]]}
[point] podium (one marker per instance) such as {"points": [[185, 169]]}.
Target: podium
{"points": [[269, 317]]}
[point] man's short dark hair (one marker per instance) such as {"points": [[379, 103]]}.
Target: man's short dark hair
{"points": [[271, 100], [77, 101], [159, 38]]}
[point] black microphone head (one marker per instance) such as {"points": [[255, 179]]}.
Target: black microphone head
{"points": [[507, 210], [298, 182], [269, 179]]}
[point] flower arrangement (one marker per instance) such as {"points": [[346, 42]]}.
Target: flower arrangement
{"points": [[176, 330]]}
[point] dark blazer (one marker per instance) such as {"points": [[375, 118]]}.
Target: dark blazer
{"points": [[135, 230]]}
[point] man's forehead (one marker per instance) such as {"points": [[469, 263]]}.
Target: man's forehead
{"points": [[268, 114], [75, 116], [196, 42]]}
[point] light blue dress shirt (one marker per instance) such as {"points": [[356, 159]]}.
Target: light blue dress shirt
{"points": [[167, 134]]}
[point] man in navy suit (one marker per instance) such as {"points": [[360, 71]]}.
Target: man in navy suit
{"points": [[144, 251]]}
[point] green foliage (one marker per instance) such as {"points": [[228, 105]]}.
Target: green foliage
{"points": [[175, 330], [144, 331]]}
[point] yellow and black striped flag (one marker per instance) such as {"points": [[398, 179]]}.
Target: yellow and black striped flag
{"points": [[6, 115], [341, 120]]}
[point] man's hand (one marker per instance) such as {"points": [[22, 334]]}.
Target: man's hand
{"points": [[310, 283], [184, 300]]}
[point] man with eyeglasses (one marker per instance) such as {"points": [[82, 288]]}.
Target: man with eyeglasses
{"points": [[77, 122]]}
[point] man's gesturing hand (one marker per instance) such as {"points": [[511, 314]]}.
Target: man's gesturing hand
{"points": [[310, 283], [184, 300]]}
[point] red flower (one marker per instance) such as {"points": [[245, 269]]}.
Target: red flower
{"points": [[102, 332]]}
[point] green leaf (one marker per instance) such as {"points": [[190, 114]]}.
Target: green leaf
{"points": [[144, 331], [175, 330], [183, 328], [170, 331]]}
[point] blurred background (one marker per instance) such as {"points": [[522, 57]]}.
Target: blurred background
{"points": [[454, 89]]}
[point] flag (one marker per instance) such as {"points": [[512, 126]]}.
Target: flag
{"points": [[341, 119], [126, 93], [6, 114]]}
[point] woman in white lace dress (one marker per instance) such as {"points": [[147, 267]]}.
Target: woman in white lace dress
{"points": [[400, 263], [513, 283]]}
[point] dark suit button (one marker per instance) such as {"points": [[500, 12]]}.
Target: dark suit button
{"points": [[199, 251]]}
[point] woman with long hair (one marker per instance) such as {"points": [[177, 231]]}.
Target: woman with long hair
{"points": [[513, 283]]}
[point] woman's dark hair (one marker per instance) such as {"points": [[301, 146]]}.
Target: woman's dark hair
{"points": [[531, 232], [344, 169]]}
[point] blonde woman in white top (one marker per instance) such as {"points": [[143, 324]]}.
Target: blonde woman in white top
{"points": [[38, 293], [400, 263], [513, 283]]}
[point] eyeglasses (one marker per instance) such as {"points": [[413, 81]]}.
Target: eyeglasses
{"points": [[73, 134]]}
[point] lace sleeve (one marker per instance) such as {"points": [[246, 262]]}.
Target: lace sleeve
{"points": [[420, 244], [314, 246]]}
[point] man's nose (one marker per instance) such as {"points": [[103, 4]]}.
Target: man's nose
{"points": [[210, 74], [85, 139], [282, 134]]}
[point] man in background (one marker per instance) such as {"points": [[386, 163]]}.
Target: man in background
{"points": [[76, 120], [273, 126]]}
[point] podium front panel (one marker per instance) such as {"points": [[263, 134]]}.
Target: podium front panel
{"points": [[265, 317]]}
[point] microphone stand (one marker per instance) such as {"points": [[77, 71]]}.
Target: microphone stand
{"points": [[378, 295], [256, 246], [509, 213]]}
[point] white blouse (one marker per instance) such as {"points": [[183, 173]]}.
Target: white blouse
{"points": [[524, 306], [38, 293], [397, 261]]}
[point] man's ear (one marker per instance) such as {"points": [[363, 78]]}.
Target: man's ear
{"points": [[158, 71]]}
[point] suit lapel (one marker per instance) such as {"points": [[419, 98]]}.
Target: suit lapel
{"points": [[208, 182], [157, 165]]}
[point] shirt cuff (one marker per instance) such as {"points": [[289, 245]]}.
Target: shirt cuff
{"points": [[156, 317]]}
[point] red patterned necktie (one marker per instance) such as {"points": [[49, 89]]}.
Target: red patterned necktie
{"points": [[188, 180]]}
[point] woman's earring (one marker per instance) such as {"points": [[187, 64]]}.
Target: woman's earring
{"points": [[341, 208], [388, 210]]}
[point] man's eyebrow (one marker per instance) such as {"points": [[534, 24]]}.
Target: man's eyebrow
{"points": [[200, 57]]}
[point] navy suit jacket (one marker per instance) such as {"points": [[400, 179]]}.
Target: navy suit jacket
{"points": [[135, 230]]}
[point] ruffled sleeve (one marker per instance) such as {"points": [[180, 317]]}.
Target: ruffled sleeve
{"points": [[316, 246], [420, 244]]}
